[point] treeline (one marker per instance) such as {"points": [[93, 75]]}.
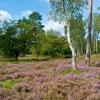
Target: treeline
{"points": [[26, 36]]}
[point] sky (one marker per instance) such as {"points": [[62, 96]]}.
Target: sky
{"points": [[15, 9]]}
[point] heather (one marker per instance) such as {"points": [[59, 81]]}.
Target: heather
{"points": [[49, 80]]}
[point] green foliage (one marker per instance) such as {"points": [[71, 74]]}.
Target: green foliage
{"points": [[70, 11], [62, 10], [8, 84], [96, 22], [96, 31], [8, 41], [17, 38], [78, 34], [70, 70], [26, 36], [55, 45]]}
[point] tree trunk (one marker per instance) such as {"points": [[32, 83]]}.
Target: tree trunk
{"points": [[88, 47], [36, 48], [68, 35], [96, 44], [16, 57]]}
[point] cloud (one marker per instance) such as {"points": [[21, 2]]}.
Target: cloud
{"points": [[26, 13], [47, 1], [5, 15], [54, 25]]}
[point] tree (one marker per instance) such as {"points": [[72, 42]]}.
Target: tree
{"points": [[96, 31], [64, 11], [88, 47], [78, 34], [35, 19], [18, 37], [55, 45], [29, 30], [25, 36], [8, 43]]}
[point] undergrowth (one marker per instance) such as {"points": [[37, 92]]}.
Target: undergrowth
{"points": [[71, 70]]}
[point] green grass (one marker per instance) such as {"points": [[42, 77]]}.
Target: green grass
{"points": [[70, 70], [98, 77], [8, 84], [25, 59]]}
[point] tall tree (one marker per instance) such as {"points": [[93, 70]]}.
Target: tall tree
{"points": [[8, 40], [88, 47], [35, 19], [64, 11], [96, 31]]}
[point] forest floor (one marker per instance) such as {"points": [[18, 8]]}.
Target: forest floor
{"points": [[50, 80]]}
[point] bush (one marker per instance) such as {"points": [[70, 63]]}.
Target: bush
{"points": [[55, 46]]}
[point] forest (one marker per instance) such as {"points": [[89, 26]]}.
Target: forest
{"points": [[39, 64]]}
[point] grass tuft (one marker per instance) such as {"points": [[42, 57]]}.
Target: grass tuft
{"points": [[8, 84], [71, 70]]}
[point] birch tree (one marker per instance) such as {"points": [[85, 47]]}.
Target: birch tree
{"points": [[64, 11]]}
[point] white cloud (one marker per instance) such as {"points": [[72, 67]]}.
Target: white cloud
{"points": [[26, 13], [5, 15], [47, 1], [54, 25]]}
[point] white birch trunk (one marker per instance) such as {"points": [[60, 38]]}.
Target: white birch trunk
{"points": [[68, 35]]}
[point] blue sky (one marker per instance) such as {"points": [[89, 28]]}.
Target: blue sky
{"points": [[15, 7], [18, 8]]}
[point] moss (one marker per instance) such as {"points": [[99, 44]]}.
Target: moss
{"points": [[8, 84], [71, 70]]}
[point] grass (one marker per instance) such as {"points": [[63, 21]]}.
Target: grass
{"points": [[25, 59], [8, 84], [98, 77], [70, 70]]}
